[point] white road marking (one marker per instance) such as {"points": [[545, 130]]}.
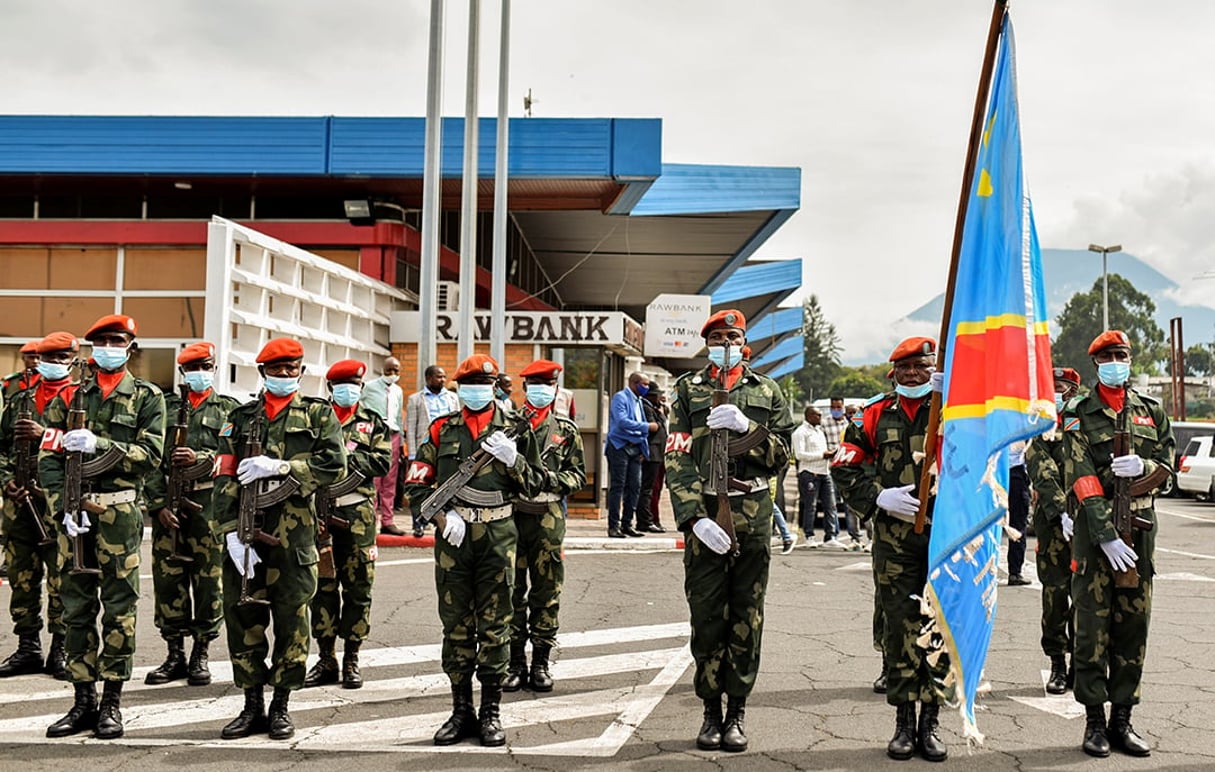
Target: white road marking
{"points": [[1184, 576], [1186, 554], [1062, 705], [1184, 516]]}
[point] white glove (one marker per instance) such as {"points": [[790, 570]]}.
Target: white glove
{"points": [[1069, 526], [257, 467], [76, 525], [501, 447], [937, 379], [80, 440], [1121, 556], [728, 417], [237, 551], [899, 500], [1122, 466], [711, 535], [455, 529]]}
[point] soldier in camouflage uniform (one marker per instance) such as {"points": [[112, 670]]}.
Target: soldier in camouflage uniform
{"points": [[28, 559], [725, 587], [1112, 622], [301, 444], [1053, 529], [540, 522], [125, 419], [878, 466], [189, 601], [475, 553], [10, 386], [352, 528]]}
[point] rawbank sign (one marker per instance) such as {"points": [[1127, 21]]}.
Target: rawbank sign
{"points": [[612, 329], [672, 325]]}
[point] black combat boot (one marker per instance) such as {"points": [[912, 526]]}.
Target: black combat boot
{"points": [[516, 671], [879, 683], [83, 715], [541, 680], [109, 718], [1057, 682], [56, 659], [352, 678], [463, 721], [1122, 735], [902, 745], [491, 722], [281, 727], [733, 739], [709, 738], [199, 668], [325, 671], [1095, 742], [174, 666], [26, 660], [252, 718], [931, 747]]}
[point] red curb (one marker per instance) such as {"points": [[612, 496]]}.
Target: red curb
{"points": [[388, 540]]}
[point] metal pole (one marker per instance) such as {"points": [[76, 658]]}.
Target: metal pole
{"points": [[1105, 291], [497, 294], [432, 198], [468, 200]]}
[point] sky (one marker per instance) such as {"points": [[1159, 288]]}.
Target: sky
{"points": [[870, 98]]}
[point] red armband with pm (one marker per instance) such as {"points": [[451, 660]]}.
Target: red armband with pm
{"points": [[1086, 487], [225, 465]]}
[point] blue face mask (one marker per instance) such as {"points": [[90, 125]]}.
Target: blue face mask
{"points": [[282, 387], [198, 380], [717, 355], [1113, 373], [540, 394], [346, 394], [53, 371], [642, 390], [499, 394], [476, 396], [837, 413], [1059, 403], [914, 392], [110, 358]]}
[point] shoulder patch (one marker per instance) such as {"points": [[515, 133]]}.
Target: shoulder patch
{"points": [[874, 399], [226, 429], [858, 419], [1071, 424]]}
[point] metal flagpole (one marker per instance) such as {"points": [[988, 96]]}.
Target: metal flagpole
{"points": [[468, 201], [432, 199], [497, 296]]}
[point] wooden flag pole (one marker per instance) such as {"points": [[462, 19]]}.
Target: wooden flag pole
{"points": [[968, 173]]}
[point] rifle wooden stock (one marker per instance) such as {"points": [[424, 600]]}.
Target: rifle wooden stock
{"points": [[1120, 505], [73, 482], [25, 461], [252, 499], [179, 486], [719, 460]]}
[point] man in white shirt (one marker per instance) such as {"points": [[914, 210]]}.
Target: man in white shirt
{"points": [[384, 397], [423, 407], [814, 483]]}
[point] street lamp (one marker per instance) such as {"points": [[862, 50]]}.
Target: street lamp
{"points": [[1105, 281]]}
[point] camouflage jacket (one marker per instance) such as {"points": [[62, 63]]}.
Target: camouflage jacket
{"points": [[8, 418], [1088, 436], [307, 435], [202, 436], [882, 448], [562, 464], [12, 383], [690, 441], [1044, 464], [368, 450], [449, 442], [132, 419]]}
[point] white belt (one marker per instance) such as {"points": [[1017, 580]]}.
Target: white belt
{"points": [[545, 498], [204, 485], [757, 484], [1143, 502], [484, 514], [347, 499], [112, 499]]}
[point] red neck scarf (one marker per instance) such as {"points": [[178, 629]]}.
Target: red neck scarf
{"points": [[731, 375], [911, 406], [48, 390], [539, 414], [109, 381], [197, 397], [343, 413], [477, 422], [275, 405], [1111, 396]]}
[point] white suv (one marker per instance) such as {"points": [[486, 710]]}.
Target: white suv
{"points": [[1196, 470]]}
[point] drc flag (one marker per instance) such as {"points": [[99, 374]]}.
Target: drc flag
{"points": [[998, 386]]}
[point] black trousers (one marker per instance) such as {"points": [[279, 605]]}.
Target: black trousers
{"points": [[1018, 515]]}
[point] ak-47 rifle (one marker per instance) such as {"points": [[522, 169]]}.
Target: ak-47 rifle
{"points": [[435, 505], [25, 459], [1126, 522], [181, 478], [326, 520], [719, 459], [254, 498], [76, 471]]}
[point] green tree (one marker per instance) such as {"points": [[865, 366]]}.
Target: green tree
{"points": [[1200, 360], [852, 382], [1130, 311], [791, 388], [821, 348]]}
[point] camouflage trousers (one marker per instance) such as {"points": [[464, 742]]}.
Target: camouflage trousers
{"points": [[1053, 555], [900, 561], [342, 605], [189, 601], [538, 563], [113, 546], [28, 563], [287, 578], [1111, 636], [726, 600], [879, 617], [474, 584]]}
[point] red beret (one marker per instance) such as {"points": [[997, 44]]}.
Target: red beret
{"points": [[730, 317], [913, 347], [280, 348], [58, 341], [477, 364], [196, 351], [746, 352], [541, 368], [112, 323], [347, 368], [30, 348], [1067, 374], [1107, 339]]}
